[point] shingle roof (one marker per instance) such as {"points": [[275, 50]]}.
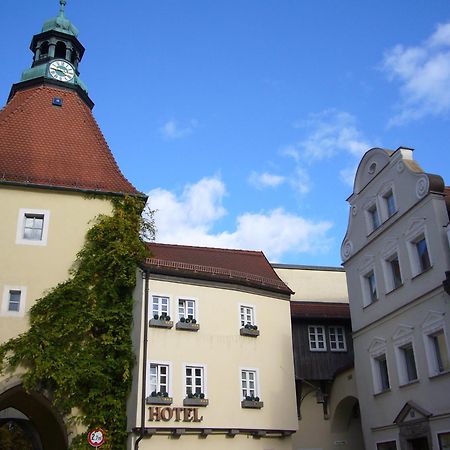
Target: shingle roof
{"points": [[243, 267], [56, 146], [320, 310]]}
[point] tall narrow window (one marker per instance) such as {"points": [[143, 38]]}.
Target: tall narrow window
{"points": [[337, 339], [444, 441], [440, 351], [186, 309], [195, 383], [14, 300], [317, 338], [159, 379], [248, 383], [391, 208], [395, 272], [371, 287], [160, 306], [409, 362], [247, 315], [382, 373], [374, 217], [422, 253]]}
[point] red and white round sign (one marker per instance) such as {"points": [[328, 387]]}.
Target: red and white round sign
{"points": [[96, 437]]}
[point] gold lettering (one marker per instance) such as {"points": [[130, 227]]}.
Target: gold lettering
{"points": [[187, 414], [166, 414], [178, 414], [155, 413], [196, 417]]}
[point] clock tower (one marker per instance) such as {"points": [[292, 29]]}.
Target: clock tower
{"points": [[57, 53]]}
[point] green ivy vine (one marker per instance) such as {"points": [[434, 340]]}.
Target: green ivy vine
{"points": [[78, 347]]}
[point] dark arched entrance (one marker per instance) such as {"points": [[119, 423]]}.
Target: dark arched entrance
{"points": [[30, 421]]}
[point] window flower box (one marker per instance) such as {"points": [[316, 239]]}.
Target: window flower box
{"points": [[195, 400], [159, 398], [252, 403], [162, 321], [187, 325], [249, 330]]}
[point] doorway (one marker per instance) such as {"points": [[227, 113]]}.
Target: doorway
{"points": [[420, 443]]}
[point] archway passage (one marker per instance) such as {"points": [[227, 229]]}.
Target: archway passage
{"points": [[31, 420], [346, 423]]}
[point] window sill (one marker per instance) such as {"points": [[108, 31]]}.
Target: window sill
{"points": [[394, 289], [421, 273], [378, 394], [251, 404], [440, 374], [158, 400], [409, 383], [188, 326], [158, 323], [248, 332], [195, 402], [373, 302]]}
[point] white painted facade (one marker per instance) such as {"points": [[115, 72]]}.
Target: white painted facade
{"points": [[396, 253]]}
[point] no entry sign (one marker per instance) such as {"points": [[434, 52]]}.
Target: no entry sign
{"points": [[96, 437]]}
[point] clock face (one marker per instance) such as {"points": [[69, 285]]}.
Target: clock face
{"points": [[61, 70]]}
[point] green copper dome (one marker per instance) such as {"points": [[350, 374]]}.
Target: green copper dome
{"points": [[60, 22]]}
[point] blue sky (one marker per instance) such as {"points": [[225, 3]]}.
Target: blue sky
{"points": [[244, 120]]}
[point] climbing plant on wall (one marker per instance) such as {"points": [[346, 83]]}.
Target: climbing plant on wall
{"points": [[78, 347]]}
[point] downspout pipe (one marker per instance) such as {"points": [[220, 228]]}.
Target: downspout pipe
{"points": [[146, 276]]}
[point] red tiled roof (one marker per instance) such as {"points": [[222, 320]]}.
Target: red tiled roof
{"points": [[244, 267], [56, 146], [320, 310]]}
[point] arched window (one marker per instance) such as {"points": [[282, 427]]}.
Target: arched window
{"points": [[44, 50], [60, 50], [74, 58]]}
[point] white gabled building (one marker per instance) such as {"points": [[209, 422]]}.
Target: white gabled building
{"points": [[396, 255]]}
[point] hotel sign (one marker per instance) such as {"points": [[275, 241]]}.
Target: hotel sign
{"points": [[177, 414]]}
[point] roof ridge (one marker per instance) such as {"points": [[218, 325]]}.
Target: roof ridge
{"points": [[230, 250]]}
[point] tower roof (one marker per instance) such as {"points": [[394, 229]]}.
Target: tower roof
{"points": [[60, 22], [51, 143]]}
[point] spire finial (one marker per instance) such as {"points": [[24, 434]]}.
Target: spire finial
{"points": [[62, 5]]}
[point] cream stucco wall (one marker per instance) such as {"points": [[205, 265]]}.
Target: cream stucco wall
{"points": [[34, 267], [314, 283], [223, 351]]}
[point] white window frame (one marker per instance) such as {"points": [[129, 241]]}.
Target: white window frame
{"points": [[433, 324], [204, 377], [185, 315], [366, 286], [415, 235], [160, 309], [247, 308], [376, 350], [160, 364], [385, 193], [313, 343], [399, 347], [6, 298], [373, 217], [388, 270], [438, 434], [257, 386], [23, 212], [336, 340]]}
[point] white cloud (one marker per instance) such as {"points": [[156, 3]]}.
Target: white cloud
{"points": [[173, 130], [265, 179], [190, 218], [424, 75], [330, 132]]}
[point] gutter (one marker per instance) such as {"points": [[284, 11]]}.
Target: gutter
{"points": [[141, 430]]}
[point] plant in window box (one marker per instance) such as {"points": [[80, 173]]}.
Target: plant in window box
{"points": [[187, 323], [252, 402], [159, 398], [162, 321], [249, 330], [195, 399]]}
